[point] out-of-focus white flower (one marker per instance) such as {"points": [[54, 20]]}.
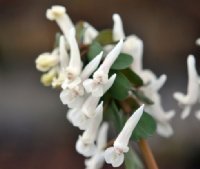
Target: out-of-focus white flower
{"points": [[90, 33], [73, 95], [197, 114], [97, 160], [156, 110], [115, 155], [118, 31], [90, 104], [198, 41], [58, 13], [86, 143], [73, 70], [192, 96], [46, 61], [100, 77]]}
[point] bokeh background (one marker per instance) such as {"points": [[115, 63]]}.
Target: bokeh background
{"points": [[34, 133]]}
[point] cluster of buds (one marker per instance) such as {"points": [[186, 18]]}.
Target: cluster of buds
{"points": [[96, 70]]}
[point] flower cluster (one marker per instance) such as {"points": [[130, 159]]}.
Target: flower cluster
{"points": [[103, 82]]}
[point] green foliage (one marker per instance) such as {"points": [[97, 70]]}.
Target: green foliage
{"points": [[145, 127], [133, 77], [122, 62], [105, 37], [132, 161], [94, 49], [121, 87], [115, 116], [80, 30]]}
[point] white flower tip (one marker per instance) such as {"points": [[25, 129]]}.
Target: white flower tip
{"points": [[116, 17], [186, 112], [198, 41], [179, 97], [55, 12], [110, 82], [113, 158], [85, 149], [164, 130], [191, 60]]}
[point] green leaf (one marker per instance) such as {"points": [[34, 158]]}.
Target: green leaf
{"points": [[115, 116], [133, 77], [122, 62], [105, 37], [94, 49], [132, 161], [80, 30], [141, 96], [145, 127], [121, 87]]}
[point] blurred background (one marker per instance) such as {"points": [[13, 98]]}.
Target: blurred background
{"points": [[34, 133]]}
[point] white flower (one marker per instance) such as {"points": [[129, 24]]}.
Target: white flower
{"points": [[115, 155], [156, 110], [86, 143], [100, 77], [192, 96], [46, 61], [58, 13], [90, 33], [118, 31], [73, 70], [90, 104], [97, 160], [73, 95]]}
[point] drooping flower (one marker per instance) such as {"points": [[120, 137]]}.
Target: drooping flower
{"points": [[100, 77], [58, 13], [97, 160], [192, 96], [86, 143], [115, 155]]}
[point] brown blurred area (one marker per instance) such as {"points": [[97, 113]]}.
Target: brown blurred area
{"points": [[34, 133]]}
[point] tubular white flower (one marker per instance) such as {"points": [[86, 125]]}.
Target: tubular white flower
{"points": [[134, 47], [85, 144], [90, 104], [118, 31], [58, 13], [90, 33], [46, 61], [115, 155], [75, 65], [192, 95], [100, 77]]}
